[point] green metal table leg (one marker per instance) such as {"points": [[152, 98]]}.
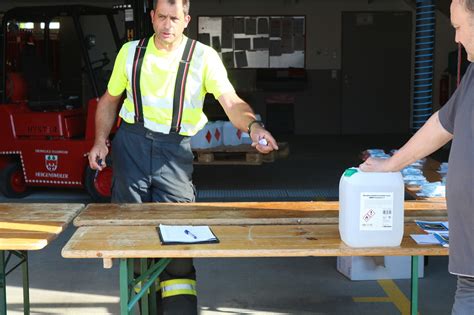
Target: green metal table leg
{"points": [[131, 276], [414, 285], [152, 295], [23, 257], [26, 284], [147, 280], [3, 284], [144, 299], [124, 280], [131, 289], [128, 283]]}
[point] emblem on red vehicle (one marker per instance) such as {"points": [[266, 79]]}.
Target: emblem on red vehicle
{"points": [[51, 162]]}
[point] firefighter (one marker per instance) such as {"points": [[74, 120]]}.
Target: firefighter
{"points": [[166, 78]]}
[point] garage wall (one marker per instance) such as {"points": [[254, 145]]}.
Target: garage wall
{"points": [[317, 108]]}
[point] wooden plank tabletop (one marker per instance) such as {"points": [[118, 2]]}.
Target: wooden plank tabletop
{"points": [[235, 213], [235, 241], [31, 226]]}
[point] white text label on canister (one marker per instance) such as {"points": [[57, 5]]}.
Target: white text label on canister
{"points": [[376, 211]]}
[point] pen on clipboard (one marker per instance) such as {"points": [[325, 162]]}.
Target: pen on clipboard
{"points": [[188, 232]]}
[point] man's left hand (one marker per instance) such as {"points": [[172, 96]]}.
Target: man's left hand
{"points": [[259, 136]]}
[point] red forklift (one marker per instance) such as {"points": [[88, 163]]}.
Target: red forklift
{"points": [[47, 109]]}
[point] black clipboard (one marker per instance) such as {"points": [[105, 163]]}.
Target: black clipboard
{"points": [[163, 242]]}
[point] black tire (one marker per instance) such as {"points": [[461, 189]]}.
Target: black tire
{"points": [[12, 181], [98, 184]]}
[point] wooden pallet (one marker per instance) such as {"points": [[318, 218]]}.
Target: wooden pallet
{"points": [[243, 154]]}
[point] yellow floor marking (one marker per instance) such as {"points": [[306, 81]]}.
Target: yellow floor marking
{"points": [[397, 296], [394, 295]]}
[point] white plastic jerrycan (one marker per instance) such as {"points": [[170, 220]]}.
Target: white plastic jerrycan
{"points": [[371, 208]]}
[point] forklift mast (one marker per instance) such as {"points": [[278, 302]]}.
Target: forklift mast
{"points": [[2, 60], [46, 14], [137, 18]]}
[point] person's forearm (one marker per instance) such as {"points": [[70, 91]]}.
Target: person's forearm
{"points": [[241, 115], [105, 117], [428, 139], [239, 112]]}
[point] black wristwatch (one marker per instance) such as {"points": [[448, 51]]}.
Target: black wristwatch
{"points": [[255, 122]]}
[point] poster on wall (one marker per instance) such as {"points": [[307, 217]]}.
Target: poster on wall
{"points": [[255, 41]]}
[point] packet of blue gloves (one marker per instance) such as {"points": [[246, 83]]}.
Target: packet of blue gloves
{"points": [[436, 189], [438, 233], [413, 176]]}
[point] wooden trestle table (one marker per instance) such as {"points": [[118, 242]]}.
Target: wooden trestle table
{"points": [[25, 227], [245, 229]]}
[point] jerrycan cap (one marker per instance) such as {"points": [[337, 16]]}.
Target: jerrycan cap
{"points": [[350, 171]]}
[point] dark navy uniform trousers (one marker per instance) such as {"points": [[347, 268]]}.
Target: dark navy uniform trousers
{"points": [[155, 167]]}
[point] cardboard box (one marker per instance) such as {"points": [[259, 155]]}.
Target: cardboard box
{"points": [[209, 136], [376, 268], [231, 135]]}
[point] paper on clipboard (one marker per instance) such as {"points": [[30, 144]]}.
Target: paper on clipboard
{"points": [[186, 234]]}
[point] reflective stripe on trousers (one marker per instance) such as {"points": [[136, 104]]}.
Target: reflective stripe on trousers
{"points": [[138, 286], [178, 287]]}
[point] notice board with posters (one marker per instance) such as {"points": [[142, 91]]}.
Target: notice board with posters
{"points": [[255, 41]]}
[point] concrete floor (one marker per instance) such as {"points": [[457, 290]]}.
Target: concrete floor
{"points": [[243, 286]]}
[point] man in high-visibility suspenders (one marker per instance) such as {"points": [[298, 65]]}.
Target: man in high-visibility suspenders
{"points": [[166, 78]]}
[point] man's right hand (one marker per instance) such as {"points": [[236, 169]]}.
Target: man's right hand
{"points": [[375, 165], [98, 152]]}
